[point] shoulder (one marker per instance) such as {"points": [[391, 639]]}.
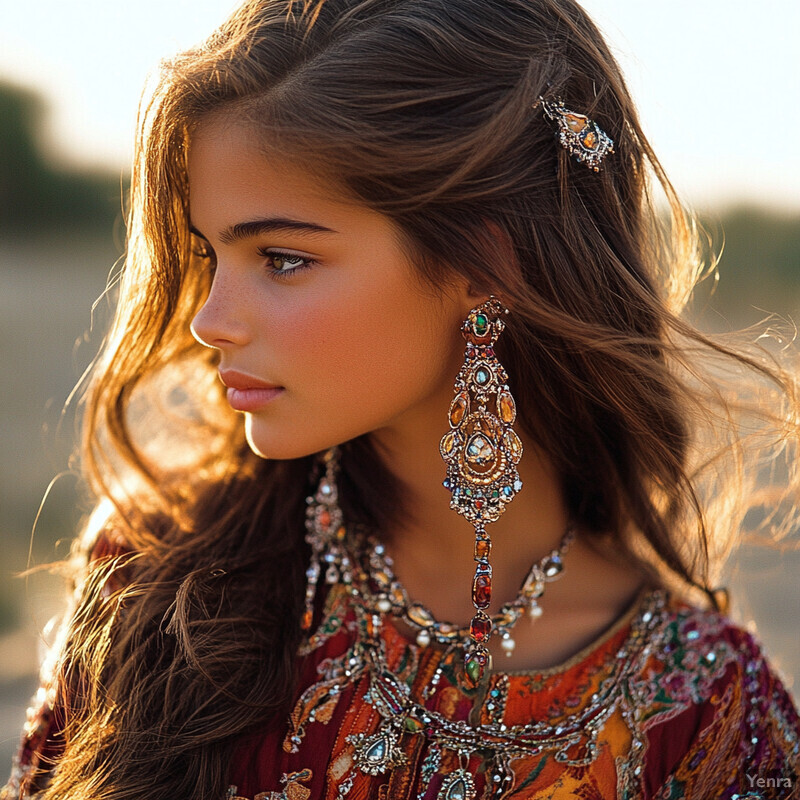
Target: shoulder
{"points": [[717, 717]]}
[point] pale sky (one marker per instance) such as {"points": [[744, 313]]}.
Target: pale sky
{"points": [[717, 81]]}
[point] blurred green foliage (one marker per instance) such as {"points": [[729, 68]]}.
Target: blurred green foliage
{"points": [[759, 265], [36, 194]]}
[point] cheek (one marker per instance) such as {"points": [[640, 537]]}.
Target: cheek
{"points": [[372, 354]]}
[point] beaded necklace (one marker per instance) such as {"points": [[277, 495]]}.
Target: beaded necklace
{"points": [[392, 597], [383, 593]]}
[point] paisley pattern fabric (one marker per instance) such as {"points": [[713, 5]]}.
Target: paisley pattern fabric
{"points": [[697, 714]]}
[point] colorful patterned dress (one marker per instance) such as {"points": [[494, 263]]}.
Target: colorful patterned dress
{"points": [[671, 702]]}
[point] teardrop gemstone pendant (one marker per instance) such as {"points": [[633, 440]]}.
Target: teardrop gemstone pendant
{"points": [[458, 785], [379, 752]]}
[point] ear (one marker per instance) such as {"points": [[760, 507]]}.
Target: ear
{"points": [[468, 295], [497, 241]]}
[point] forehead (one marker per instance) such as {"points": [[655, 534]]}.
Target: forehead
{"points": [[235, 176]]}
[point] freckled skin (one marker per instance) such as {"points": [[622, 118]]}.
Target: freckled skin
{"points": [[357, 342]]}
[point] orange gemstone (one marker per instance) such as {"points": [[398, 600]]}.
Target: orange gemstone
{"points": [[382, 579], [514, 445], [575, 122], [306, 621], [458, 408], [506, 407], [325, 517], [482, 549], [590, 140], [448, 444]]}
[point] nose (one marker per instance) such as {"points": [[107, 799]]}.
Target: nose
{"points": [[219, 322]]}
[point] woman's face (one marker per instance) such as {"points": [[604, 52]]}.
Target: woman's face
{"points": [[314, 295]]}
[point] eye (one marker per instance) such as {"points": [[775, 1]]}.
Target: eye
{"points": [[280, 264]]}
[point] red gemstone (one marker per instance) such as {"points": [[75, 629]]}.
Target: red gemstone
{"points": [[489, 351], [480, 629], [482, 590], [325, 518]]}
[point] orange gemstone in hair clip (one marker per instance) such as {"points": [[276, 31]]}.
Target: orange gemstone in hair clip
{"points": [[579, 135]]}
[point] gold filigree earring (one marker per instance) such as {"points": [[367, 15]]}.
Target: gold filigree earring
{"points": [[481, 451]]}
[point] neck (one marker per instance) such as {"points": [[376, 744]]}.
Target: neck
{"points": [[433, 547]]}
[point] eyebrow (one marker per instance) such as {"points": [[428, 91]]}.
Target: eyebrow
{"points": [[246, 230]]}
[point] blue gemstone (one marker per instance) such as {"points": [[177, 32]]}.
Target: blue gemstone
{"points": [[457, 790], [377, 751]]}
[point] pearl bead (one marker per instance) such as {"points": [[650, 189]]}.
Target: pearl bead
{"points": [[536, 611], [423, 638], [508, 644], [384, 605]]}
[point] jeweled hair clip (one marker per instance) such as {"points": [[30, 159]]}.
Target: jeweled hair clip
{"points": [[578, 134]]}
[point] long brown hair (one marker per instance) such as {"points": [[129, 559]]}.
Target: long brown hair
{"points": [[426, 111]]}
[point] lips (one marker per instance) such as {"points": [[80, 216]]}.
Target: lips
{"points": [[240, 380], [246, 393]]}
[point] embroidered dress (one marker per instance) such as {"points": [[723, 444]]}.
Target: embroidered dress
{"points": [[671, 702]]}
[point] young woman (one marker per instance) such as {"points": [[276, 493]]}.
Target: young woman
{"points": [[410, 480]]}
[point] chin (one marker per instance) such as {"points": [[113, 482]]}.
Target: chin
{"points": [[285, 443]]}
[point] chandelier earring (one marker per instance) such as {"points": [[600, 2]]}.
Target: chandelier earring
{"points": [[481, 451]]}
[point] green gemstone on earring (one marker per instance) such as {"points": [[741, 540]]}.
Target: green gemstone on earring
{"points": [[481, 324]]}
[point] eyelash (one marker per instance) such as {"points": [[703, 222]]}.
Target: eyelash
{"points": [[280, 274], [203, 251]]}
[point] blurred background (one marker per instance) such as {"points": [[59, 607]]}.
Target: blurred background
{"points": [[717, 84]]}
